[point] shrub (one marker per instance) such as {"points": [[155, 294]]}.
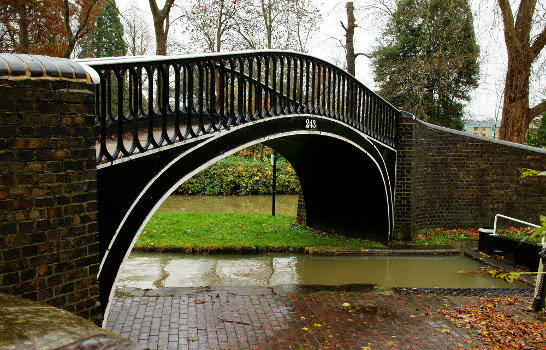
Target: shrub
{"points": [[236, 175]]}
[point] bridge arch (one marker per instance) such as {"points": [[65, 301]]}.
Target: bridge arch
{"points": [[346, 179]]}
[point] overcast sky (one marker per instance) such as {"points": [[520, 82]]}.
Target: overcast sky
{"points": [[486, 99]]}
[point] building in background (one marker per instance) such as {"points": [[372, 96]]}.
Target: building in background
{"points": [[486, 128]]}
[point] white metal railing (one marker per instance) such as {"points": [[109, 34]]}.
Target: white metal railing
{"points": [[512, 219]]}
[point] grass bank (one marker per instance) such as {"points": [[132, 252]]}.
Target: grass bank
{"points": [[439, 236], [228, 232], [209, 232]]}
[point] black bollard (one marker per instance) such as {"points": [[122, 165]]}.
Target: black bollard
{"points": [[274, 182]]}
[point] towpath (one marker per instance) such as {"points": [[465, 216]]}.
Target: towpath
{"points": [[357, 317]]}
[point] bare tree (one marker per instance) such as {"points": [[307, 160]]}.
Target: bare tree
{"points": [[523, 49], [80, 13], [306, 19], [281, 24], [137, 34], [211, 22], [350, 55], [370, 16], [161, 24]]}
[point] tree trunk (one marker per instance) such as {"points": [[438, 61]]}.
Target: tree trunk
{"points": [[350, 56], [515, 112], [23, 28], [349, 39], [161, 25], [160, 39], [69, 49]]}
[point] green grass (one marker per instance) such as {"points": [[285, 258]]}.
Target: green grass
{"points": [[201, 232], [440, 236], [518, 233]]}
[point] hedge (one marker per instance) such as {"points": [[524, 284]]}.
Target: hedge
{"points": [[242, 176]]}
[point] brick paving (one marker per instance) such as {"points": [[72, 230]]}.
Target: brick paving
{"points": [[286, 318]]}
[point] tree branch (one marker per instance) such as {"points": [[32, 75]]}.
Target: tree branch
{"points": [[537, 110], [538, 45], [508, 21], [369, 55], [167, 7], [524, 18], [85, 21], [343, 25], [154, 8], [250, 43]]}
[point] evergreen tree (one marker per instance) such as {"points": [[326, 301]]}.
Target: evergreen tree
{"points": [[106, 38], [537, 137], [426, 62]]}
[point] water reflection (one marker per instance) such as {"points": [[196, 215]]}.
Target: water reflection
{"points": [[157, 270]]}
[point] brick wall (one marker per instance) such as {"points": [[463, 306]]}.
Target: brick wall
{"points": [[301, 217], [403, 181], [453, 180], [48, 205]]}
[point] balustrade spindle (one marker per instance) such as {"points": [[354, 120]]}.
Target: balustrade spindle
{"points": [[228, 90]]}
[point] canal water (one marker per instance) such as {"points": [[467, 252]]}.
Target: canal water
{"points": [[159, 270], [255, 204]]}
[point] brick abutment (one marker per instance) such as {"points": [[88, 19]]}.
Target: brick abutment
{"points": [[48, 188], [449, 179]]}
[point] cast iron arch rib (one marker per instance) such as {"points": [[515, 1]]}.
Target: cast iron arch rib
{"points": [[151, 102], [337, 141]]}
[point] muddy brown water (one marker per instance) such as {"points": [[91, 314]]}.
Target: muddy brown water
{"points": [[159, 270]]}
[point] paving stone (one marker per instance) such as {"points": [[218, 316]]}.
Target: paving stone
{"points": [[284, 319]]}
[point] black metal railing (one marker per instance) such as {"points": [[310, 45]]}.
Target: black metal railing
{"points": [[147, 103]]}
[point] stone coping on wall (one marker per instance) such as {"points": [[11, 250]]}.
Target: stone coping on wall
{"points": [[481, 138], [23, 66]]}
